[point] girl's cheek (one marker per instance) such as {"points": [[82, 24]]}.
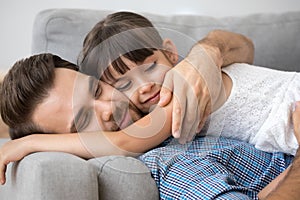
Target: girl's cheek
{"points": [[134, 98]]}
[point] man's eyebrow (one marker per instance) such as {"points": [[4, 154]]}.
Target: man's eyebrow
{"points": [[91, 84], [74, 129]]}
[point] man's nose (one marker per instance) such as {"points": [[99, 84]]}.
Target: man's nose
{"points": [[104, 109], [146, 88]]}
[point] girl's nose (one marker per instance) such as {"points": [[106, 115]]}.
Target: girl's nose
{"points": [[146, 88]]}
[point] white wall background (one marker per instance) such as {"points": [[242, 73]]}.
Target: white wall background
{"points": [[17, 16]]}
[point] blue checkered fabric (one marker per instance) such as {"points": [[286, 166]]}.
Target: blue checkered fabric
{"points": [[212, 168]]}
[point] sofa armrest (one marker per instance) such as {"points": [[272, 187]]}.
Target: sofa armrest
{"points": [[124, 178], [50, 175]]}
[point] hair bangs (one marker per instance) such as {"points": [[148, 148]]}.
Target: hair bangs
{"points": [[119, 66]]}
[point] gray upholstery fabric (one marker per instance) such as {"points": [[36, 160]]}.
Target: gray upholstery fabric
{"points": [[62, 176], [124, 178], [276, 36], [61, 31], [50, 176]]}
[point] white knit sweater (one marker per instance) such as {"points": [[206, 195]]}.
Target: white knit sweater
{"points": [[259, 108]]}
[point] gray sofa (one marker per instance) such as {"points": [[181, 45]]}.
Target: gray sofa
{"points": [[55, 175]]}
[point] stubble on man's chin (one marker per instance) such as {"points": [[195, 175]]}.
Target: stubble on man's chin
{"points": [[121, 109], [135, 112]]}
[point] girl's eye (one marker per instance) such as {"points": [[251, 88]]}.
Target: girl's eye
{"points": [[123, 87], [151, 67]]}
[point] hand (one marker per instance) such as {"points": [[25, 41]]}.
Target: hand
{"points": [[196, 83], [11, 151], [199, 76]]}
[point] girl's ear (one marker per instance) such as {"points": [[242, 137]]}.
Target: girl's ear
{"points": [[170, 51]]}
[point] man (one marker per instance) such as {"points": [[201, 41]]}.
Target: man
{"points": [[54, 96], [76, 144], [27, 95]]}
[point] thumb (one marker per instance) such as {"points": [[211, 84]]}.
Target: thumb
{"points": [[165, 97], [166, 90]]}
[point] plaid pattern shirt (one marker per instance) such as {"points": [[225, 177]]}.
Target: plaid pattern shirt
{"points": [[212, 168]]}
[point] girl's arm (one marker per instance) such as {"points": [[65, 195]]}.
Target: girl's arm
{"points": [[287, 184], [139, 137]]}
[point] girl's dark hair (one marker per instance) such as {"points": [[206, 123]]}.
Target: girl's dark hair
{"points": [[26, 85], [120, 34]]}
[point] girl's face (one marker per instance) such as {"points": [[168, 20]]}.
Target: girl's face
{"points": [[142, 83]]}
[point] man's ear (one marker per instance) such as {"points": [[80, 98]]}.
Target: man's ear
{"points": [[170, 51]]}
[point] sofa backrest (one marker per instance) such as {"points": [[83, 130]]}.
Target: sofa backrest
{"points": [[276, 36]]}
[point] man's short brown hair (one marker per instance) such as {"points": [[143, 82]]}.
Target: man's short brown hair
{"points": [[26, 85]]}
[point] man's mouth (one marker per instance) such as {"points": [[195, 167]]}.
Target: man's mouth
{"points": [[125, 114], [125, 120]]}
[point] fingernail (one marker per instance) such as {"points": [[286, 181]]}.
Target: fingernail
{"points": [[191, 138], [176, 134], [162, 100]]}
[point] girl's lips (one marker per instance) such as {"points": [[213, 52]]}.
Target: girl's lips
{"points": [[153, 99]]}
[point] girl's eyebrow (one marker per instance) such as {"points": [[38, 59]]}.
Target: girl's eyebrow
{"points": [[120, 79]]}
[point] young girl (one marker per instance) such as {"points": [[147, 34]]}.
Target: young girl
{"points": [[125, 35], [140, 137], [260, 100]]}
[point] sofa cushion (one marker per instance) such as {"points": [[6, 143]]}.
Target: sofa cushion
{"points": [[276, 36], [49, 176], [124, 178]]}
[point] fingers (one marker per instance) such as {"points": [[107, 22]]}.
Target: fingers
{"points": [[192, 132], [166, 90], [178, 109], [191, 117], [203, 118], [165, 97], [187, 127], [2, 174], [191, 100], [3, 165]]}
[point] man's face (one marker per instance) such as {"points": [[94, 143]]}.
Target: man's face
{"points": [[78, 102]]}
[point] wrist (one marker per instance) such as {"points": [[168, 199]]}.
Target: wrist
{"points": [[207, 51], [28, 144], [214, 53]]}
